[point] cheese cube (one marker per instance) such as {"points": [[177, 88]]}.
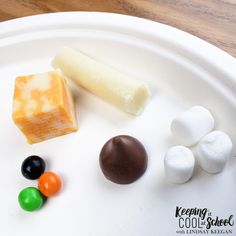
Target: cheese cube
{"points": [[43, 107]]}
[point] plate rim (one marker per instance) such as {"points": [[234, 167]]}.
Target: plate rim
{"points": [[184, 40], [196, 49]]}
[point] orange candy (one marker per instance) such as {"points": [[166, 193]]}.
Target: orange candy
{"points": [[49, 184]]}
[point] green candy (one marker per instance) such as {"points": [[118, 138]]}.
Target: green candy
{"points": [[30, 199]]}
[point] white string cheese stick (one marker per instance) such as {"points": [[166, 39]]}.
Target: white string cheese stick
{"points": [[119, 89]]}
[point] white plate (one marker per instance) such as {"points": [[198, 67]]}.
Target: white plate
{"points": [[182, 71]]}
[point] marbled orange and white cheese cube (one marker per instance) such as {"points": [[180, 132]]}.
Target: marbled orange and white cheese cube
{"points": [[43, 107]]}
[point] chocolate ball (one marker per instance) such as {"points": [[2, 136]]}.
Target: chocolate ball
{"points": [[123, 159]]}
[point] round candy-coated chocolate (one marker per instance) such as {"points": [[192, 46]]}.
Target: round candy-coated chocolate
{"points": [[123, 159], [33, 167], [49, 184], [30, 199]]}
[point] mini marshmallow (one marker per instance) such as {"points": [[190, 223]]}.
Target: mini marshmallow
{"points": [[190, 126], [214, 151], [179, 164]]}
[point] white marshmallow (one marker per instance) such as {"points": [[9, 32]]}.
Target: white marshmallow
{"points": [[179, 164], [214, 151], [190, 126]]}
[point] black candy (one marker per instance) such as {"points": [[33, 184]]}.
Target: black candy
{"points": [[33, 167]]}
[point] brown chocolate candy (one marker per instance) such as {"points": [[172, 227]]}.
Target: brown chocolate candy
{"points": [[123, 159]]}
